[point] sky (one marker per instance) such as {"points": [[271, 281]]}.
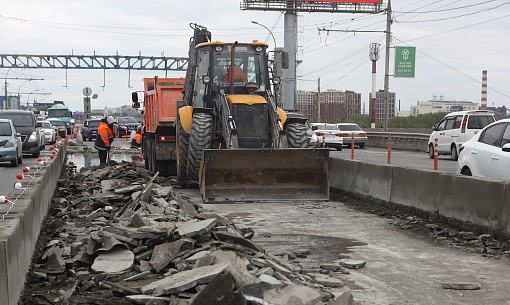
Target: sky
{"points": [[455, 40]]}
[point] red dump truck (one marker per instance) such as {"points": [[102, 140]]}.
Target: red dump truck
{"points": [[158, 147]]}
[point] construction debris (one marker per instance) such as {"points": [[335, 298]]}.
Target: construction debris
{"points": [[122, 235]]}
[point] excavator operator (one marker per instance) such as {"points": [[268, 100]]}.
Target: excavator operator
{"points": [[239, 75]]}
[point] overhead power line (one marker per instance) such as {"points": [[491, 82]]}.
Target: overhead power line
{"points": [[444, 10], [455, 17]]}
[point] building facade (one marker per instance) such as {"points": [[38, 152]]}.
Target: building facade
{"points": [[307, 103], [331, 106], [436, 106], [379, 105]]}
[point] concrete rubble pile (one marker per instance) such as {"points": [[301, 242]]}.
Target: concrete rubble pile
{"points": [[119, 235]]}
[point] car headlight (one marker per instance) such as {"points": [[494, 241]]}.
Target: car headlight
{"points": [[33, 137], [9, 143]]}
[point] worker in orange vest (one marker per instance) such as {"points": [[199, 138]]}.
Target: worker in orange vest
{"points": [[239, 75], [136, 142], [104, 138]]}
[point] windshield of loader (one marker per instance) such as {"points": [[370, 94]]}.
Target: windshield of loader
{"points": [[250, 68]]}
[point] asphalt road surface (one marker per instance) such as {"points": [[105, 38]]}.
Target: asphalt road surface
{"points": [[402, 267], [417, 160]]}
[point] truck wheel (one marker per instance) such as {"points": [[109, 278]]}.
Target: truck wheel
{"points": [[182, 151], [200, 138], [297, 135]]}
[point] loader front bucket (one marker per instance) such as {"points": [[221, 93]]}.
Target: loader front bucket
{"points": [[293, 174]]}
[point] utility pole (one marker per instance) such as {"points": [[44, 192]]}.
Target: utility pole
{"points": [[387, 66], [374, 57], [318, 100]]}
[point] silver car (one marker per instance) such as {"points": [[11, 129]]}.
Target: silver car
{"points": [[328, 134], [49, 132], [11, 147], [347, 129]]}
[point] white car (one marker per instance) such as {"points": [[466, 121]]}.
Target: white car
{"points": [[455, 129], [347, 129], [487, 154], [50, 134], [329, 134]]}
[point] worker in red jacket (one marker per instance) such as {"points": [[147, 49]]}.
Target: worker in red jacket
{"points": [[104, 138]]}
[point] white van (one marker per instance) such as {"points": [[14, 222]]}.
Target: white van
{"points": [[455, 129]]}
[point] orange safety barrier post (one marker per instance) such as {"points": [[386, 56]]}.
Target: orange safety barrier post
{"points": [[67, 140], [323, 141], [435, 154], [389, 149], [352, 146]]}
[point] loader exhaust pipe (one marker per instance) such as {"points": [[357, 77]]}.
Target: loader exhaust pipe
{"points": [[232, 66]]}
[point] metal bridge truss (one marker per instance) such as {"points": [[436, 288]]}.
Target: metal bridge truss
{"points": [[93, 62]]}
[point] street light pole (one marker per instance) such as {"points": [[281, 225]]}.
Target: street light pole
{"points": [[271, 33]]}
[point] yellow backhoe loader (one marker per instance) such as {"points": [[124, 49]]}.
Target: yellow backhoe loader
{"points": [[231, 136]]}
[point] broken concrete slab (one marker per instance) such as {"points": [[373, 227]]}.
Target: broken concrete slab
{"points": [[109, 242], [225, 236], [184, 280], [195, 257], [136, 221], [164, 253], [54, 263], [221, 220], [278, 268], [220, 291], [263, 293], [344, 299], [352, 263], [186, 206], [461, 286], [237, 267], [128, 189], [192, 228], [114, 261], [328, 281], [163, 191], [264, 278], [141, 299]]}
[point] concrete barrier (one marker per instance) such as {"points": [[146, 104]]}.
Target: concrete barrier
{"points": [[19, 230], [475, 202]]}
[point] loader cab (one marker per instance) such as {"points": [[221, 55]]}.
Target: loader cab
{"points": [[213, 72]]}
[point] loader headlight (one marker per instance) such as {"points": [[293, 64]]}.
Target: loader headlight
{"points": [[277, 80], [219, 48], [258, 49], [206, 79]]}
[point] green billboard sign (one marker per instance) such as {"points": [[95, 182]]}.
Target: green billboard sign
{"points": [[405, 61]]}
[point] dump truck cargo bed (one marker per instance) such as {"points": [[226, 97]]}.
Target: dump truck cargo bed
{"points": [[296, 174]]}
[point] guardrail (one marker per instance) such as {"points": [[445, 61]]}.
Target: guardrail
{"points": [[456, 198], [399, 140]]}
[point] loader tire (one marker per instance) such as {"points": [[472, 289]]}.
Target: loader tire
{"points": [[183, 143], [200, 138], [297, 135]]}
